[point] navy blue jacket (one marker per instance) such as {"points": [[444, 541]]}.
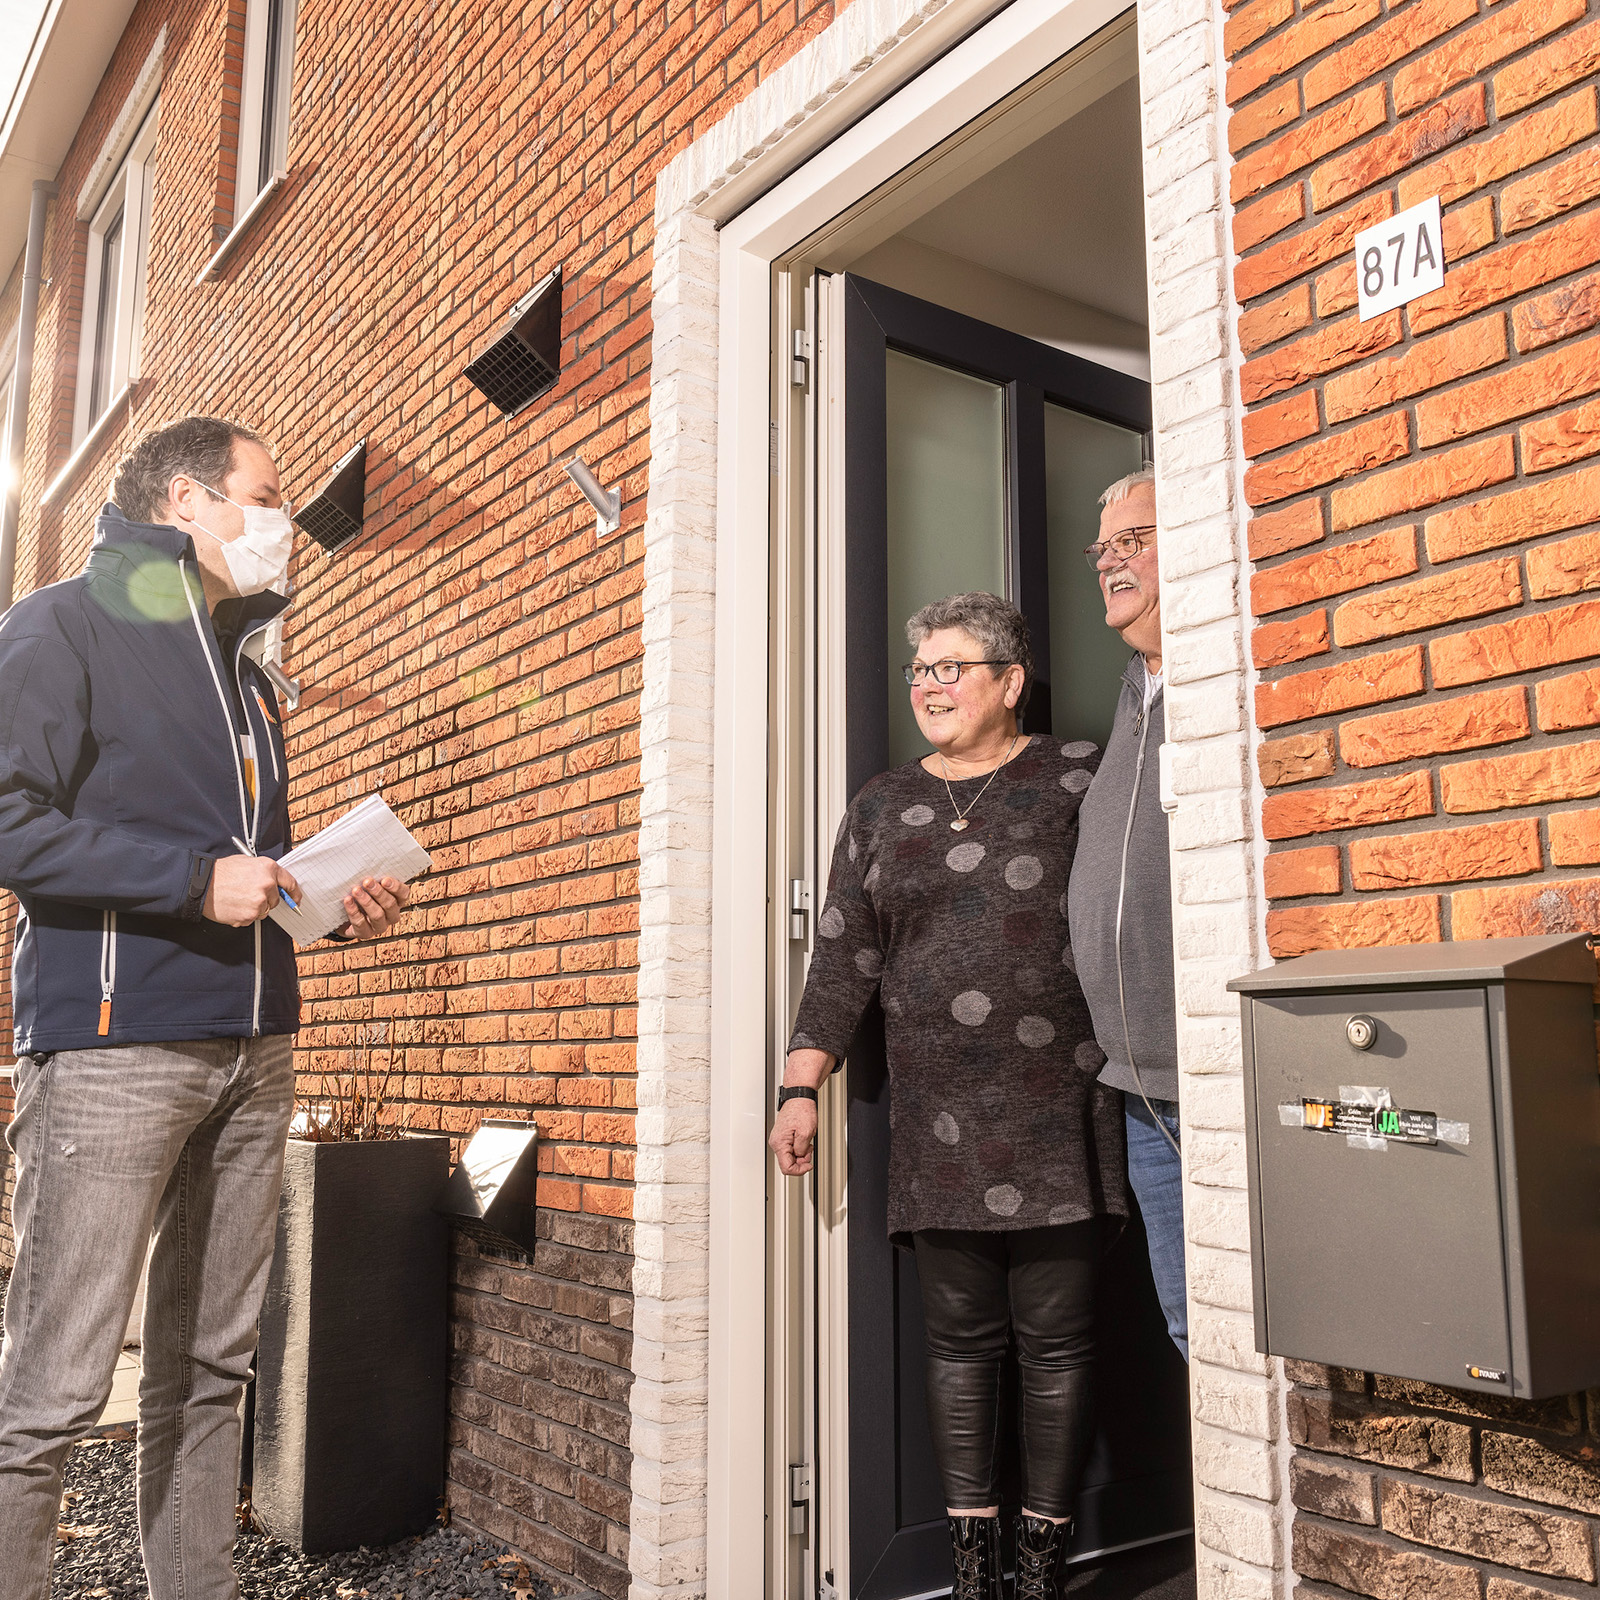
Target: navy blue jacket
{"points": [[124, 710]]}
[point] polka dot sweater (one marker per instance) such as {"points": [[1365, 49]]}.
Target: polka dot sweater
{"points": [[997, 1120]]}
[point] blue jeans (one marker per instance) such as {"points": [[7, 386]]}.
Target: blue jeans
{"points": [[1156, 1175], [182, 1144]]}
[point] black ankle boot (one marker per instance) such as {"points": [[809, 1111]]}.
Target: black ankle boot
{"points": [[975, 1549], [1040, 1547]]}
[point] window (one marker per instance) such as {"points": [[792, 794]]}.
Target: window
{"points": [[114, 282], [264, 115]]}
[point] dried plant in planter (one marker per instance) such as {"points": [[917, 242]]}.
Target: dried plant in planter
{"points": [[348, 1107]]}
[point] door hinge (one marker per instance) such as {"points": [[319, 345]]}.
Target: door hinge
{"points": [[800, 367], [799, 907], [827, 1591], [799, 1497]]}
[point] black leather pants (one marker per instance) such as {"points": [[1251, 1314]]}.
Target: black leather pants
{"points": [[1040, 1284]]}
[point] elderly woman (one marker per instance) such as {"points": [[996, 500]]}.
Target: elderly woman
{"points": [[947, 900]]}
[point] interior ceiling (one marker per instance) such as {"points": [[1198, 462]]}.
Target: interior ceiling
{"points": [[1066, 214]]}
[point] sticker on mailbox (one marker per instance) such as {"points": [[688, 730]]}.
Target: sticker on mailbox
{"points": [[1359, 1119]]}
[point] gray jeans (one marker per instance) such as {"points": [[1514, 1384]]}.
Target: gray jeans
{"points": [[171, 1151]]}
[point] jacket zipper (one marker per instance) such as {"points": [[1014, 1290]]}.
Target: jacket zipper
{"points": [[108, 968], [249, 812]]}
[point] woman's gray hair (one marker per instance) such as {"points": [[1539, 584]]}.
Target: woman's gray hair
{"points": [[996, 624], [1123, 487]]}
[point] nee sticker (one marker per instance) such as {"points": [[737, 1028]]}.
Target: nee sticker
{"points": [[1399, 260]]}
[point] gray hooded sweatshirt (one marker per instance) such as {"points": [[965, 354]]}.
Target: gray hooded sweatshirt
{"points": [[1097, 881]]}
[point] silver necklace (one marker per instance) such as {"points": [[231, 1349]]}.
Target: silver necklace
{"points": [[960, 825]]}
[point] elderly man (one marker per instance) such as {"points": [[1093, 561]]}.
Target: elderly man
{"points": [[1119, 902], [144, 800]]}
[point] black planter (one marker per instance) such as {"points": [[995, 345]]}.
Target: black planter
{"points": [[350, 1386]]}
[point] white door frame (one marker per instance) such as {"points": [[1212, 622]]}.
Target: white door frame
{"points": [[699, 1483]]}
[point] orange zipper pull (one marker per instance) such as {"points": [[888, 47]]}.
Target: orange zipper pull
{"points": [[105, 1018]]}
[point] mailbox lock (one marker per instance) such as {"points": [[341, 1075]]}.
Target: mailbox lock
{"points": [[1362, 1032]]}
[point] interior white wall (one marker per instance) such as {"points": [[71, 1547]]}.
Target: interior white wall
{"points": [[976, 291]]}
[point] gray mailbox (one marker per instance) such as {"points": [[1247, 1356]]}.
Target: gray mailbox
{"points": [[1423, 1138]]}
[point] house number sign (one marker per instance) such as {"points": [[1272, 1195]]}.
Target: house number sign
{"points": [[1400, 259]]}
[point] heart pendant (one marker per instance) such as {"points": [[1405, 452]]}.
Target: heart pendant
{"points": [[958, 825]]}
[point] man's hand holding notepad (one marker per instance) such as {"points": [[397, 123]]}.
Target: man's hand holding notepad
{"points": [[368, 841]]}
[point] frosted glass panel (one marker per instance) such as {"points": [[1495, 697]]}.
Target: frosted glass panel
{"points": [[1082, 457], [947, 506]]}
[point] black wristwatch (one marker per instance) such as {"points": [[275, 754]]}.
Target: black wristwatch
{"points": [[794, 1091]]}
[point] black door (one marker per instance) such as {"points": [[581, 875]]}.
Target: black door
{"points": [[973, 459]]}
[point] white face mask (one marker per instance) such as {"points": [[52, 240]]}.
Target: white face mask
{"points": [[259, 557]]}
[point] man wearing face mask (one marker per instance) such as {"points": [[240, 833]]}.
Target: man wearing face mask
{"points": [[143, 804]]}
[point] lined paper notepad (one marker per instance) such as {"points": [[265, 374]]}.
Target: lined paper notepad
{"points": [[368, 841]]}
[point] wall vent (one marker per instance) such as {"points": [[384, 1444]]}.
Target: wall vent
{"points": [[526, 359], [333, 516]]}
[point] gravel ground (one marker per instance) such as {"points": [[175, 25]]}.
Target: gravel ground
{"points": [[97, 1553], [97, 1557]]}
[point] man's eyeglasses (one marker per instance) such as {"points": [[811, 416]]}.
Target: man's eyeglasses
{"points": [[1124, 546], [943, 671]]}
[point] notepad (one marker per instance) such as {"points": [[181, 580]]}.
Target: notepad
{"points": [[368, 841]]}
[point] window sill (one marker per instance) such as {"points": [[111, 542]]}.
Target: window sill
{"points": [[92, 440], [215, 265]]}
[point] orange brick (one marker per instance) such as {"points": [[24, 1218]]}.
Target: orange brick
{"points": [[1264, 116], [1446, 123], [1351, 805], [1379, 48], [1521, 910], [1253, 22], [1506, 31], [1514, 517], [1336, 570], [1335, 290], [1277, 643], [1511, 270], [1464, 722], [1292, 873], [1340, 455], [1574, 838], [1420, 366], [1570, 701], [1292, 152], [1429, 603], [1330, 22], [1365, 681], [1547, 194], [1449, 855], [1529, 778], [1524, 143], [1295, 758], [1566, 567], [1425, 483], [1564, 374], [1275, 319], [1573, 308], [1467, 228], [559, 1194], [1297, 930], [1273, 266], [1535, 77], [1559, 441], [1326, 350], [1543, 639], [1286, 422], [1274, 532], [1260, 220], [607, 1200]]}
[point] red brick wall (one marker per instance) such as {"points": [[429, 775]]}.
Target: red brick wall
{"points": [[1429, 684], [477, 653]]}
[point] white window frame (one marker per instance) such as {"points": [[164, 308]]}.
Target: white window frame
{"points": [[264, 105], [128, 196]]}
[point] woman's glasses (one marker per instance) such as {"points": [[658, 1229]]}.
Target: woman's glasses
{"points": [[943, 671], [1124, 546]]}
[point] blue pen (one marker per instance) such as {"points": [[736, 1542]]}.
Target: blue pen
{"points": [[245, 850]]}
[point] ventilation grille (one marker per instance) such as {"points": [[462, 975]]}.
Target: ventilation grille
{"points": [[334, 516], [526, 359]]}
